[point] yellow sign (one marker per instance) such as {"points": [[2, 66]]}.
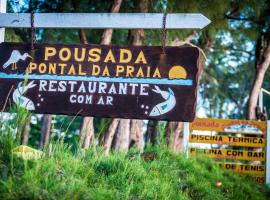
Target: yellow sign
{"points": [[245, 169], [26, 152], [228, 140], [229, 154], [230, 126]]}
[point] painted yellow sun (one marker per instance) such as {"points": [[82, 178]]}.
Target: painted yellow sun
{"points": [[178, 72]]}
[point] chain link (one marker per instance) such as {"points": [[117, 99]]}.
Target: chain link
{"points": [[33, 31], [164, 32]]}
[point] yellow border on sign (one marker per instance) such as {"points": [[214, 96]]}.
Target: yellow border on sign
{"points": [[229, 126], [228, 140], [228, 154]]}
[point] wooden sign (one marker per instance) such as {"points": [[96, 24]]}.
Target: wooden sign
{"points": [[229, 154], [228, 125], [243, 168], [98, 80], [26, 152], [228, 140]]}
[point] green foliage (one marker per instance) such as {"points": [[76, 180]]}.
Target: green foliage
{"points": [[62, 174]]}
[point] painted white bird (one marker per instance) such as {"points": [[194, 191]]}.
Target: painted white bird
{"points": [[14, 58]]}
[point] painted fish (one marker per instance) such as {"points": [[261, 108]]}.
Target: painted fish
{"points": [[19, 99], [165, 106]]}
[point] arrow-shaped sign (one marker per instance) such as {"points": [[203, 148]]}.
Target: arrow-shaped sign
{"points": [[104, 20]]}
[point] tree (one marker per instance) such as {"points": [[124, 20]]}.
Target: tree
{"points": [[87, 129], [261, 67], [108, 138], [137, 37], [45, 130]]}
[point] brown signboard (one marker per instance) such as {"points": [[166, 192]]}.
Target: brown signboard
{"points": [[98, 80]]}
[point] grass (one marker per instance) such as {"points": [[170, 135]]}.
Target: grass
{"points": [[64, 174]]}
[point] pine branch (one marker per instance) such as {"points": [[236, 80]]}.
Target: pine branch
{"points": [[251, 19], [231, 49]]}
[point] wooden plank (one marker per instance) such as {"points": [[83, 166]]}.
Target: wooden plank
{"points": [[228, 140], [228, 154], [100, 80], [243, 168], [105, 20], [229, 126]]}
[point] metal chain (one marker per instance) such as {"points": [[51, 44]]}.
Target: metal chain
{"points": [[164, 32], [33, 31]]}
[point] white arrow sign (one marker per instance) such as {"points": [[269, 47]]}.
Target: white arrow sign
{"points": [[104, 20]]}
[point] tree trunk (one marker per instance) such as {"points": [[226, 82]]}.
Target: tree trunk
{"points": [[152, 132], [45, 130], [261, 68], [106, 40], [174, 130], [177, 144], [110, 134], [26, 130], [170, 131], [136, 134], [87, 131], [107, 34], [122, 136], [136, 38], [262, 64], [87, 128], [174, 136]]}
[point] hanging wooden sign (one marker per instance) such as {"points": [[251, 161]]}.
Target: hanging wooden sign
{"points": [[98, 80]]}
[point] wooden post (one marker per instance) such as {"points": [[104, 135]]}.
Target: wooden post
{"points": [[186, 137], [267, 180], [3, 7]]}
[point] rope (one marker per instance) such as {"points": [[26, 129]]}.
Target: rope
{"points": [[33, 35], [164, 32], [193, 45], [181, 43]]}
